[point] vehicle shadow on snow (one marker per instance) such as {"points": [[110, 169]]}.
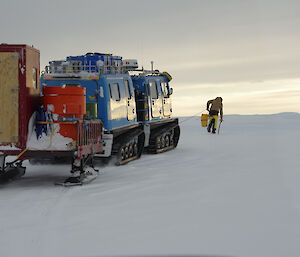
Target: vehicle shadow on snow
{"points": [[36, 180]]}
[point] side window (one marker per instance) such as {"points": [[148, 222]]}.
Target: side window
{"points": [[110, 91], [159, 90], [153, 90], [165, 89], [146, 88], [127, 89], [114, 91]]}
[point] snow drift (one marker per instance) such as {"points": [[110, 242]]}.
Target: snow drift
{"points": [[233, 194]]}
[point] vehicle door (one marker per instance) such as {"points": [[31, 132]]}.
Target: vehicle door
{"points": [[167, 104], [130, 99], [118, 108], [155, 100]]}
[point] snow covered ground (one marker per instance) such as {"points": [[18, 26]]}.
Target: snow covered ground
{"points": [[233, 194]]}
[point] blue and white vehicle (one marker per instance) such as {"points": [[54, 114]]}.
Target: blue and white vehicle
{"points": [[135, 109], [154, 110]]}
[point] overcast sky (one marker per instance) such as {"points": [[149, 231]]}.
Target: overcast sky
{"points": [[247, 51]]}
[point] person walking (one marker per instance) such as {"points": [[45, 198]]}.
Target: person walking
{"points": [[214, 107]]}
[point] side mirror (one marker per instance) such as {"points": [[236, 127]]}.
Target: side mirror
{"points": [[170, 91]]}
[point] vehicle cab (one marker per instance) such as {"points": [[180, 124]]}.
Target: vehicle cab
{"points": [[153, 96]]}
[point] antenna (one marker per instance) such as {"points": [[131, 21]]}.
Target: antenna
{"points": [[152, 66]]}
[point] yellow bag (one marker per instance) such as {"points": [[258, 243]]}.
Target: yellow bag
{"points": [[204, 119]]}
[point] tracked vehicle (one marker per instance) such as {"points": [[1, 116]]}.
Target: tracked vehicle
{"points": [[82, 108], [154, 110], [134, 105], [109, 97]]}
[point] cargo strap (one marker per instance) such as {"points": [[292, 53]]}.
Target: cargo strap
{"points": [[193, 116]]}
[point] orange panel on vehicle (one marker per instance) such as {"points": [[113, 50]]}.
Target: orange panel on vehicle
{"points": [[68, 130], [66, 102]]}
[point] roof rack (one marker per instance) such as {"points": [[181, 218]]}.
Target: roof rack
{"points": [[74, 67]]}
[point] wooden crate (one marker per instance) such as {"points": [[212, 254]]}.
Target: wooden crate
{"points": [[9, 102], [19, 91]]}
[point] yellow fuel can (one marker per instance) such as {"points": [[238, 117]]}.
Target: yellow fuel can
{"points": [[204, 119]]}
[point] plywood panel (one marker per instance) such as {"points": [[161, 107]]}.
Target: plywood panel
{"points": [[32, 63], [9, 97]]}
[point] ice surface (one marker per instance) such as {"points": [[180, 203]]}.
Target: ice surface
{"points": [[233, 194]]}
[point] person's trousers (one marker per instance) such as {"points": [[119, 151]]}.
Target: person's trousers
{"points": [[211, 117]]}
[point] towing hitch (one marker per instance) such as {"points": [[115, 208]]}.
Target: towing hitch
{"points": [[11, 170]]}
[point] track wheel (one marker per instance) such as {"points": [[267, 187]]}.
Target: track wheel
{"points": [[130, 150], [122, 154], [162, 142], [172, 140], [167, 141], [135, 149], [126, 152], [158, 143]]}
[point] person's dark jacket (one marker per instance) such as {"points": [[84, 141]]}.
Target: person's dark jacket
{"points": [[215, 106]]}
